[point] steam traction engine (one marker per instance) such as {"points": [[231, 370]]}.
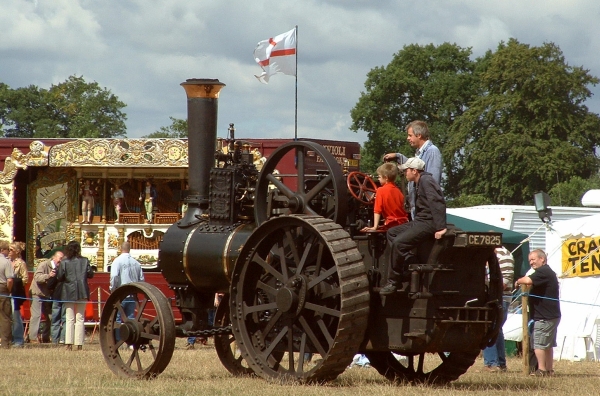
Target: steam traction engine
{"points": [[300, 282]]}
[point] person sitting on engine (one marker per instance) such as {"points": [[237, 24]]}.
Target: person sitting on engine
{"points": [[389, 200], [429, 221]]}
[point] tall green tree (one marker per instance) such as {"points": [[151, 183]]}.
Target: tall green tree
{"points": [[71, 109], [527, 129], [177, 130], [429, 83], [569, 193], [23, 111]]}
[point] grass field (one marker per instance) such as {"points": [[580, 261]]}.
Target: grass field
{"points": [[40, 369]]}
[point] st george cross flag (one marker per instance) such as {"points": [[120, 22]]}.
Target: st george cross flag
{"points": [[276, 55]]}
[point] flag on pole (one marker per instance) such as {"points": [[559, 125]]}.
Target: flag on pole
{"points": [[276, 55]]}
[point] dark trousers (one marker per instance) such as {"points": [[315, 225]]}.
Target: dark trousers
{"points": [[58, 321], [128, 305], [6, 322], [403, 239]]}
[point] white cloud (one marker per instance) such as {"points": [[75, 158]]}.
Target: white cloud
{"points": [[143, 49], [56, 29]]}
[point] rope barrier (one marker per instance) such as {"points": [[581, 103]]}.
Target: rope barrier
{"points": [[516, 296], [519, 294], [66, 301]]}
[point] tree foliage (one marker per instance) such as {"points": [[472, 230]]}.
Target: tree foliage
{"points": [[528, 128], [427, 83], [177, 130], [569, 193], [467, 200], [510, 123], [71, 109]]}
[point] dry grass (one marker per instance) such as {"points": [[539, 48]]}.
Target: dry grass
{"points": [[43, 370]]}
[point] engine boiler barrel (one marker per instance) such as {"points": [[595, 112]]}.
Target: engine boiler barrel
{"points": [[202, 256]]}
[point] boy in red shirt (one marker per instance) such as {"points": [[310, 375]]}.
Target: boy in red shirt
{"points": [[389, 200]]}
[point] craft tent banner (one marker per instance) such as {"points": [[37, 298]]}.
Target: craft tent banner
{"points": [[573, 248]]}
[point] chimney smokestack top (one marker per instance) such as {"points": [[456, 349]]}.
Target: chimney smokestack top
{"points": [[202, 87]]}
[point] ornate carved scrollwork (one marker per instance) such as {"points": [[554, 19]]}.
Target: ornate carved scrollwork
{"points": [[120, 153]]}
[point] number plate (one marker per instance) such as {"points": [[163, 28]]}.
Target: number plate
{"points": [[466, 239]]}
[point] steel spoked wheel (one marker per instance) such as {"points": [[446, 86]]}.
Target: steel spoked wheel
{"points": [[314, 193], [362, 187], [440, 368], [225, 345], [140, 346], [299, 292]]}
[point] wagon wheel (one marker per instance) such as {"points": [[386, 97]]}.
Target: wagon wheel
{"points": [[324, 195], [362, 187], [147, 341], [225, 344], [452, 366], [299, 287]]}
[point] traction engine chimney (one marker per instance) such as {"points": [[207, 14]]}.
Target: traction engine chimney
{"points": [[202, 105]]}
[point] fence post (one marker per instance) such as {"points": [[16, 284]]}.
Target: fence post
{"points": [[525, 315]]}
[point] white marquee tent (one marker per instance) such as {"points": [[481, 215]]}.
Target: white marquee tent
{"points": [[573, 248]]}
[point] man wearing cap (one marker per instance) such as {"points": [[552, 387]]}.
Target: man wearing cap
{"points": [[429, 221], [419, 138]]}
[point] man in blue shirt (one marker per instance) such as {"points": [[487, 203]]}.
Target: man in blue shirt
{"points": [[419, 138], [125, 269]]}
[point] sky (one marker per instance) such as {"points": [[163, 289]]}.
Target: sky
{"points": [[142, 50]]}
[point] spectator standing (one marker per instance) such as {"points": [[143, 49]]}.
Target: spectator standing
{"points": [[125, 269], [18, 291], [389, 200], [429, 221], [494, 357], [6, 284], [544, 308], [74, 271], [41, 297], [419, 138]]}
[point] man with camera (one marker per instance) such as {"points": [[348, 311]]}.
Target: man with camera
{"points": [[41, 297]]}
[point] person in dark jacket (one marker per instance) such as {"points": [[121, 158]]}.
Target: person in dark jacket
{"points": [[74, 272], [429, 221]]}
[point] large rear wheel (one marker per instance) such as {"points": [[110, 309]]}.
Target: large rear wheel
{"points": [[299, 299], [227, 350], [428, 368]]}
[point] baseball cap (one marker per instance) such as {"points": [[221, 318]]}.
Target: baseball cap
{"points": [[413, 163]]}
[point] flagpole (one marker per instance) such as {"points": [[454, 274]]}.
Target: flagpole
{"points": [[296, 101]]}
